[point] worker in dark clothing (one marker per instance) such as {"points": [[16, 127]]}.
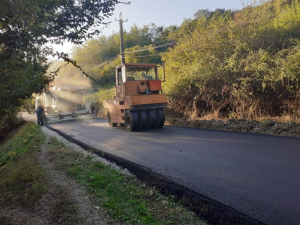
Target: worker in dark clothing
{"points": [[41, 115], [96, 110], [37, 111], [92, 107]]}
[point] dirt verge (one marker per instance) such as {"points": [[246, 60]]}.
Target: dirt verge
{"points": [[72, 204], [63, 202], [271, 127]]}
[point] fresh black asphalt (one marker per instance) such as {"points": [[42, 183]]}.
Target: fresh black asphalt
{"points": [[257, 175]]}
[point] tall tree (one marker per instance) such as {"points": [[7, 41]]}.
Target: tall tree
{"points": [[26, 27]]}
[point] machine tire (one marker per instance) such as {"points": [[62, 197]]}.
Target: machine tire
{"points": [[143, 120], [132, 122], [109, 120], [161, 118], [152, 119]]}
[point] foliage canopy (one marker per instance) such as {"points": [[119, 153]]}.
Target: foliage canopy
{"points": [[25, 29], [238, 64], [232, 64]]}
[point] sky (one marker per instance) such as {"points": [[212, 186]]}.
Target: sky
{"points": [[160, 12]]}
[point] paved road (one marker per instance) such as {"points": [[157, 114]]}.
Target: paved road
{"points": [[258, 175]]}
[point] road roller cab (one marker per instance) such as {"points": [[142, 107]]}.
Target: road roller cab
{"points": [[139, 103]]}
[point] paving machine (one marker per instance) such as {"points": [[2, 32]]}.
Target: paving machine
{"points": [[139, 103]]}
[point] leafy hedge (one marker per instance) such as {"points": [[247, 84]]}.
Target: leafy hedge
{"points": [[242, 64]]}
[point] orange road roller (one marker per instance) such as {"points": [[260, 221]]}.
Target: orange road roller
{"points": [[139, 103]]}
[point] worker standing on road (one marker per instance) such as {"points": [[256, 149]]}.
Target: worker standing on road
{"points": [[96, 110], [41, 115], [37, 112], [92, 107]]}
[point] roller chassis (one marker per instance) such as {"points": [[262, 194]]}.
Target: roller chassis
{"points": [[138, 104]]}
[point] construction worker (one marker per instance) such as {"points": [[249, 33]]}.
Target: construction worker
{"points": [[37, 112], [96, 110], [41, 115], [92, 107]]}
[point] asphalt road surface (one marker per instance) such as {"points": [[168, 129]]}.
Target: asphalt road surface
{"points": [[258, 175]]}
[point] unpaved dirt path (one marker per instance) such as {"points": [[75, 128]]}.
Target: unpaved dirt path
{"points": [[69, 189], [65, 201]]}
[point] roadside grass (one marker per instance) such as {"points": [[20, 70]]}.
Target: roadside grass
{"points": [[121, 194], [23, 182], [22, 179]]}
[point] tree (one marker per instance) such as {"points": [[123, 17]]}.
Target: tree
{"points": [[26, 27], [237, 64], [202, 13], [99, 56]]}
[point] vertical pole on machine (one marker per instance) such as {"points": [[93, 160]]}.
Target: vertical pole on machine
{"points": [[121, 38]]}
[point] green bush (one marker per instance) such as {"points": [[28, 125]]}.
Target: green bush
{"points": [[242, 64]]}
